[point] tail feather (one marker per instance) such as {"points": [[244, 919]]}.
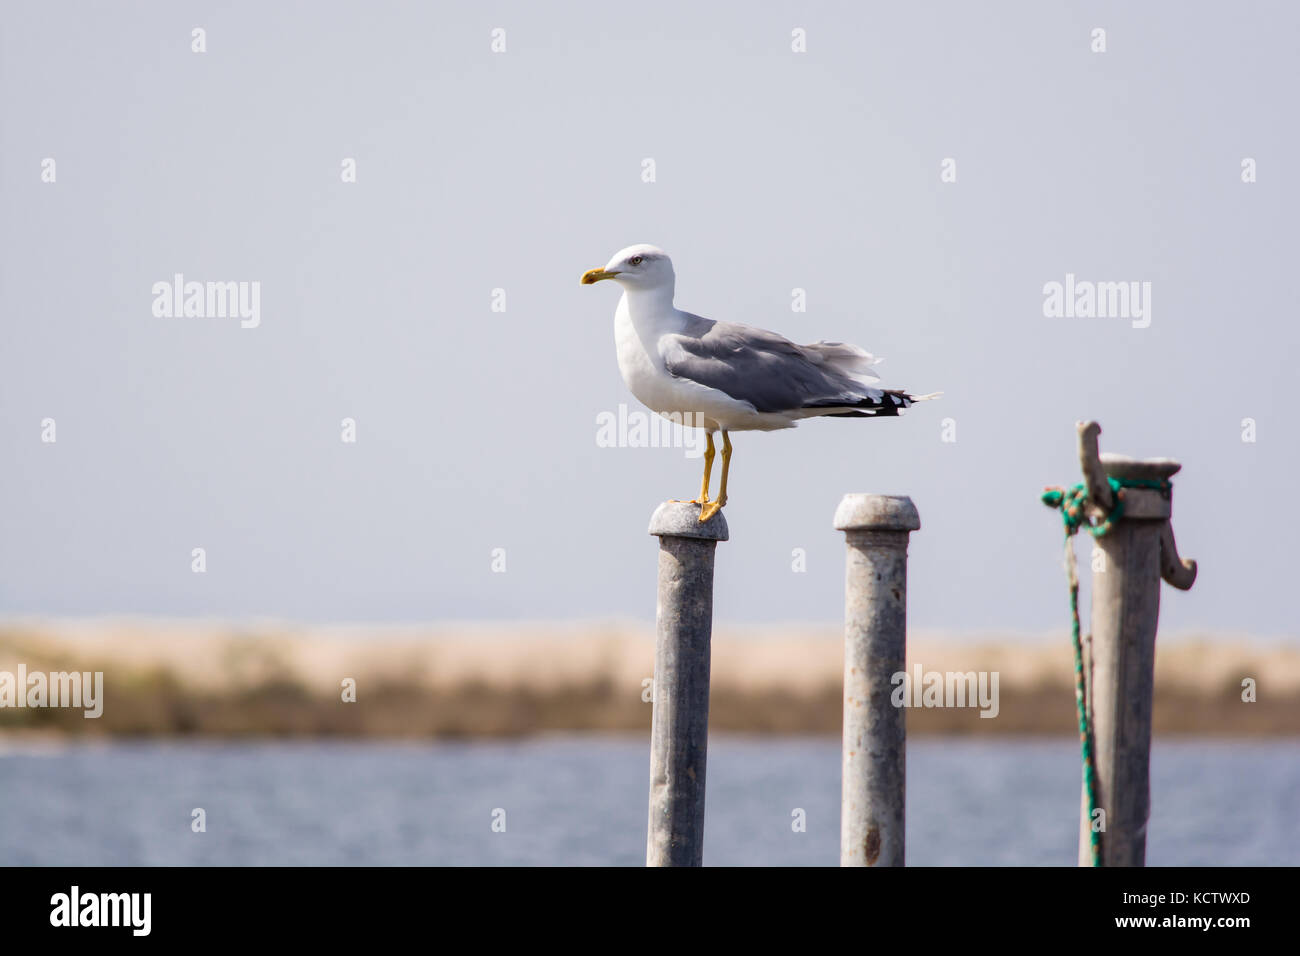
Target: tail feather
{"points": [[848, 360], [878, 403]]}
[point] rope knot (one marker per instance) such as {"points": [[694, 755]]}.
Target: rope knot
{"points": [[1073, 503]]}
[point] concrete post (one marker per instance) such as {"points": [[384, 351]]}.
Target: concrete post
{"points": [[874, 758], [1138, 551], [679, 732]]}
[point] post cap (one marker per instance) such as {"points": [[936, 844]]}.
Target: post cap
{"points": [[1121, 466], [876, 513], [681, 519]]}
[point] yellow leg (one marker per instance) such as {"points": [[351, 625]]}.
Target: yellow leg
{"points": [[709, 452], [708, 510], [708, 470]]}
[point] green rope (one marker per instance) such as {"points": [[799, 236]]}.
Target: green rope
{"points": [[1072, 503]]}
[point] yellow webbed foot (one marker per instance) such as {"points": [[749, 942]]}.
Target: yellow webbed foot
{"points": [[709, 509]]}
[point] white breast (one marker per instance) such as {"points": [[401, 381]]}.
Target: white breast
{"points": [[639, 361], [643, 370]]}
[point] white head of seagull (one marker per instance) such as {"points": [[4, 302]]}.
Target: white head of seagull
{"points": [[639, 267]]}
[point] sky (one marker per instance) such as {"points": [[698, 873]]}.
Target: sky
{"points": [[416, 189]]}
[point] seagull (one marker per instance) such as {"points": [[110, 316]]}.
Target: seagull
{"points": [[724, 376]]}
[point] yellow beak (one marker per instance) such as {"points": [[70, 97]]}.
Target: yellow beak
{"points": [[592, 276]]}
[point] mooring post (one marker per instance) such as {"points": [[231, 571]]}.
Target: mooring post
{"points": [[874, 760], [1137, 552], [679, 733]]}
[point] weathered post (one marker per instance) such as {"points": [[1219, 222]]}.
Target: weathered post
{"points": [[679, 733], [874, 759], [1138, 550]]}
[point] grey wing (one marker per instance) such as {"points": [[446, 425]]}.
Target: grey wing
{"points": [[769, 371]]}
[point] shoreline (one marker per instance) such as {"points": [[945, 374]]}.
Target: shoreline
{"points": [[455, 682]]}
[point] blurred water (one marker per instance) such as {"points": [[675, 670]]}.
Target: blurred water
{"points": [[582, 801]]}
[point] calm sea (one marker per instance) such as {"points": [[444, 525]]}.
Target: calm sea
{"points": [[582, 801]]}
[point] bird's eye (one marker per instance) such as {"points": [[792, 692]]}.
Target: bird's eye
{"points": [[635, 260]]}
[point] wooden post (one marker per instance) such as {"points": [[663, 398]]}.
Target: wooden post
{"points": [[874, 757], [1120, 664], [679, 733]]}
